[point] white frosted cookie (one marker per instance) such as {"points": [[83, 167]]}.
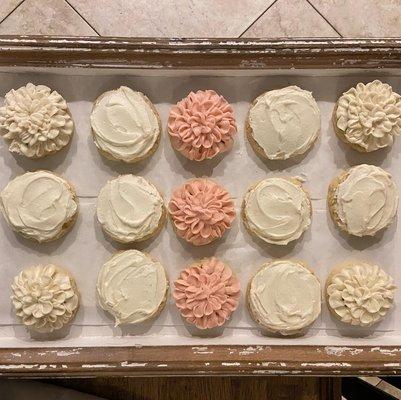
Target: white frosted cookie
{"points": [[283, 123], [363, 200], [284, 297], [130, 209], [359, 293], [125, 125], [277, 210], [368, 117], [39, 205], [36, 121], [45, 297], [132, 287]]}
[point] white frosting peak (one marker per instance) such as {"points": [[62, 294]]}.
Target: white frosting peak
{"points": [[370, 115], [277, 210], [367, 200], [38, 205], [129, 208], [36, 121], [285, 297], [360, 293], [124, 124], [285, 122], [44, 297], [132, 287]]}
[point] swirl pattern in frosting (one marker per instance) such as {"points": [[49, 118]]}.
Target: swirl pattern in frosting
{"points": [[201, 211], [284, 122], [284, 297], [360, 293], [202, 125], [366, 201], [277, 210], [207, 293], [132, 286], [39, 205], [369, 116], [130, 208], [36, 120], [45, 297], [125, 125]]}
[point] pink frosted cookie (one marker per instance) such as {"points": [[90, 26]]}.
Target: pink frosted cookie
{"points": [[202, 125], [206, 293], [201, 211]]}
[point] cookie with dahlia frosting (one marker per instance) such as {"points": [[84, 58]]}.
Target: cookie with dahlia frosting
{"points": [[125, 125], [283, 123], [359, 293], [132, 286], [130, 209], [35, 121], [277, 210], [39, 205], [202, 125], [207, 293], [44, 297], [368, 117], [201, 211], [284, 297], [363, 200]]}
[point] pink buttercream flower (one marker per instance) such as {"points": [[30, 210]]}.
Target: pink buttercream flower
{"points": [[202, 125], [201, 211], [206, 293]]}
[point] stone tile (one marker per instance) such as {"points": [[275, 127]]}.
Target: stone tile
{"points": [[175, 18], [362, 18], [290, 18], [45, 17], [6, 6]]}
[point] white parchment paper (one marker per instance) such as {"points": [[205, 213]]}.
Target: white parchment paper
{"points": [[85, 248]]}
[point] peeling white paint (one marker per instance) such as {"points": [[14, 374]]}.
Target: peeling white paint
{"points": [[98, 366], [396, 365], [339, 351], [250, 350], [127, 364], [326, 365], [273, 363], [19, 366], [230, 364], [162, 365]]}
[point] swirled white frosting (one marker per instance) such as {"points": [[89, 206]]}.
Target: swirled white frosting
{"points": [[36, 121], [360, 293], [367, 200], [369, 115], [277, 210], [132, 287], [285, 297], [45, 297], [129, 208], [124, 124], [38, 205], [285, 122]]}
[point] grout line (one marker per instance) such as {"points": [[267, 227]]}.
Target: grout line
{"points": [[82, 17], [1, 21], [324, 18], [258, 18]]}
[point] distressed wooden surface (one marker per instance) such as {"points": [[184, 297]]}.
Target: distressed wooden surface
{"points": [[201, 361], [214, 54], [221, 388], [198, 54]]}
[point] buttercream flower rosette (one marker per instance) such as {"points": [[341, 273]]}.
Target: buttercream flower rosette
{"points": [[201, 211], [202, 125], [45, 297], [368, 117], [36, 121], [207, 293], [359, 293]]}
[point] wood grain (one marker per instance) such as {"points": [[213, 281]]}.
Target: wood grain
{"points": [[227, 388]]}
